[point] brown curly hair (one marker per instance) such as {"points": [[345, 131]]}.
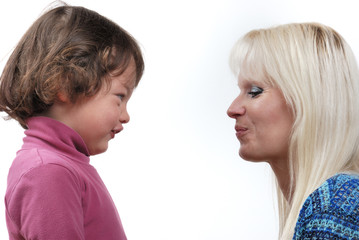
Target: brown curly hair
{"points": [[69, 49]]}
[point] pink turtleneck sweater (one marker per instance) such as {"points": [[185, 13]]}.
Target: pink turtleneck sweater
{"points": [[54, 193]]}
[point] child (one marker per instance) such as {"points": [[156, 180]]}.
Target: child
{"points": [[67, 83]]}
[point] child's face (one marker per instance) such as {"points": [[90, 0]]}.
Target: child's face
{"points": [[100, 117]]}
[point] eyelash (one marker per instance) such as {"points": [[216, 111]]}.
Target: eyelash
{"points": [[255, 91]]}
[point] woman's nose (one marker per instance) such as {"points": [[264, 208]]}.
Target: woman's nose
{"points": [[236, 109]]}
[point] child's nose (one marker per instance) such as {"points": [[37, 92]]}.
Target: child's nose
{"points": [[124, 117], [236, 108]]}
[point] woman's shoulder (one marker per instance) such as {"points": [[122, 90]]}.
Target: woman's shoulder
{"points": [[343, 190], [338, 194], [332, 210]]}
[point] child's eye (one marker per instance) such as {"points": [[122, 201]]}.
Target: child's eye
{"points": [[255, 91], [120, 96]]}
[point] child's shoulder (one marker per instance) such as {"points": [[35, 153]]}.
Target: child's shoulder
{"points": [[34, 160], [37, 168], [27, 159]]}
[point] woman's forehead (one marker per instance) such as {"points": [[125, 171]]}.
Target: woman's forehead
{"points": [[253, 72]]}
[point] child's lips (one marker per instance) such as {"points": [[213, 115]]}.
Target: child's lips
{"points": [[115, 131]]}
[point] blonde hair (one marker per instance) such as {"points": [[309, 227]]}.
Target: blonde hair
{"points": [[318, 75]]}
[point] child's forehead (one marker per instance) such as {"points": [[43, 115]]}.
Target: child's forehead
{"points": [[129, 75], [130, 83], [126, 78]]}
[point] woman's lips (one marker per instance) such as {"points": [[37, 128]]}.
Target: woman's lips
{"points": [[240, 131]]}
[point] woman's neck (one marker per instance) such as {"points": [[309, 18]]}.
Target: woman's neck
{"points": [[282, 173]]}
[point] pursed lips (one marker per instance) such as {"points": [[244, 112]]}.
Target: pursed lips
{"points": [[240, 131]]}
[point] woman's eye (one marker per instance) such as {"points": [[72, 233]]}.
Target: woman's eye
{"points": [[255, 91]]}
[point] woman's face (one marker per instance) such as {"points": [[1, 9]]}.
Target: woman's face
{"points": [[263, 121]]}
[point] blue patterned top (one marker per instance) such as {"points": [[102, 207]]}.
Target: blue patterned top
{"points": [[331, 211]]}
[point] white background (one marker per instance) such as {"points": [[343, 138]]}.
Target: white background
{"points": [[174, 172]]}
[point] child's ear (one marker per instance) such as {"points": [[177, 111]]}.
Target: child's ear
{"points": [[62, 97]]}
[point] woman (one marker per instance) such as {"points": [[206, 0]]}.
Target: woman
{"points": [[298, 110]]}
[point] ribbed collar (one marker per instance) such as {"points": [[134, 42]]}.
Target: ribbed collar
{"points": [[53, 135]]}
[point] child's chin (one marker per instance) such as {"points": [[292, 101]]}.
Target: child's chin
{"points": [[98, 151]]}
